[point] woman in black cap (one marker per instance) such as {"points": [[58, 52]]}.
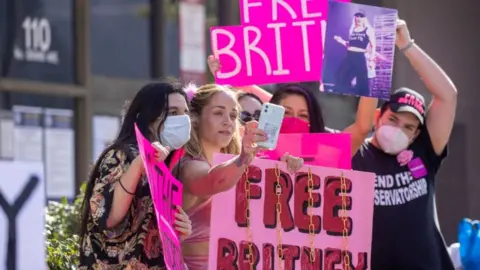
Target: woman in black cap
{"points": [[354, 66]]}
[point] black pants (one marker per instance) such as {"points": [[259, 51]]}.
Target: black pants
{"points": [[354, 65]]}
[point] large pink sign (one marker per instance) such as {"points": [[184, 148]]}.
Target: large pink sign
{"points": [[166, 195], [321, 149], [304, 241], [279, 41], [273, 53], [263, 12]]}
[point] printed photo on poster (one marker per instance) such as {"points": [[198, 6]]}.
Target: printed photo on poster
{"points": [[359, 50]]}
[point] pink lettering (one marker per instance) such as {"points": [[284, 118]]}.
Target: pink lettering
{"points": [[278, 48], [246, 5], [412, 101], [306, 50], [286, 6], [257, 52], [227, 50], [252, 47], [306, 14]]}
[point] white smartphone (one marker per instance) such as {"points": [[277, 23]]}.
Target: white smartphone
{"points": [[270, 121]]}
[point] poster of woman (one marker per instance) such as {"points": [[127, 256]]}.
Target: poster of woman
{"points": [[359, 50]]}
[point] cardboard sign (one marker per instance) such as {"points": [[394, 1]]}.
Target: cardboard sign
{"points": [[332, 150], [273, 53], [166, 193], [229, 248], [263, 12], [279, 41]]}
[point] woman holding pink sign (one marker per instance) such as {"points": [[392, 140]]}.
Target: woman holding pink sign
{"points": [[119, 228], [215, 129]]}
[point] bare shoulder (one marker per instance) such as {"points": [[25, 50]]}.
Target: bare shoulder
{"points": [[194, 169]]}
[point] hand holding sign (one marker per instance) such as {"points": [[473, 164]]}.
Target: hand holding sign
{"points": [[403, 35], [161, 152], [213, 64], [166, 193], [183, 224], [293, 163]]}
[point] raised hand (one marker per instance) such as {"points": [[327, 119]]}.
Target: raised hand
{"points": [[252, 136], [293, 163], [403, 35], [213, 64], [183, 224]]}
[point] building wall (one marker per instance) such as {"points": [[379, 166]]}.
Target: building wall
{"points": [[110, 94]]}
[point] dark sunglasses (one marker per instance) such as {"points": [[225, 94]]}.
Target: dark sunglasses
{"points": [[247, 117]]}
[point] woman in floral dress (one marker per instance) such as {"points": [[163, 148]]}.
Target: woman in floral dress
{"points": [[119, 229]]}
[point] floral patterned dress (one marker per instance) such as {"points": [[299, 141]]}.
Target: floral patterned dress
{"points": [[135, 242]]}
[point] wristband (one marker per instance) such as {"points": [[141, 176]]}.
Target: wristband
{"points": [[409, 45]]}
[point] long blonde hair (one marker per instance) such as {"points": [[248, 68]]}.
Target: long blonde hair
{"points": [[200, 99], [366, 24]]}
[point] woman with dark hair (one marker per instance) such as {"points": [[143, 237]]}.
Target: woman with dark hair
{"points": [[119, 228], [299, 104]]}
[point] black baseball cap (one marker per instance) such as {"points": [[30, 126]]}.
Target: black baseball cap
{"points": [[360, 13], [407, 100]]}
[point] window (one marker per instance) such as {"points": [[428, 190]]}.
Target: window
{"points": [[120, 38], [37, 40]]}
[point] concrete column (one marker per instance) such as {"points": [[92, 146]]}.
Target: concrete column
{"points": [[83, 104]]}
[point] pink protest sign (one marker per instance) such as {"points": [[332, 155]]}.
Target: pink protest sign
{"points": [[279, 41], [273, 53], [322, 149], [229, 244], [166, 195], [263, 12]]}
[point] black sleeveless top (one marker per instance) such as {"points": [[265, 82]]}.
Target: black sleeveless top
{"points": [[359, 39]]}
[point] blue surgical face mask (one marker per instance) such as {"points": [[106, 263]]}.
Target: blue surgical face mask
{"points": [[176, 131]]}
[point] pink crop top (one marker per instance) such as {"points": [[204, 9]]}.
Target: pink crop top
{"points": [[200, 214]]}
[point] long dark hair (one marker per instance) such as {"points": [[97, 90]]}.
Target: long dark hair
{"points": [[148, 104], [317, 125]]}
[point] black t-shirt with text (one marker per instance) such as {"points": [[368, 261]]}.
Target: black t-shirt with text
{"points": [[406, 234]]}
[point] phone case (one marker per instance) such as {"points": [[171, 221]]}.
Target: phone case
{"points": [[270, 122]]}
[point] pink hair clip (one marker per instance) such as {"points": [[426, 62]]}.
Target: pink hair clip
{"points": [[190, 89]]}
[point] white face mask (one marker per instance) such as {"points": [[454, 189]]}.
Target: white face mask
{"points": [[392, 139], [176, 131]]}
